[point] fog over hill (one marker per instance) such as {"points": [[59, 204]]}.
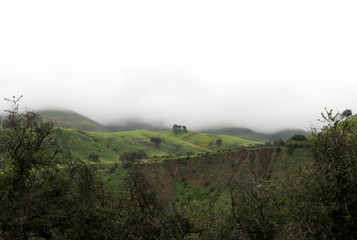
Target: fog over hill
{"points": [[255, 64], [69, 119]]}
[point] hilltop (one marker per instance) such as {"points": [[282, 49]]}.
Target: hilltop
{"points": [[70, 119], [247, 133]]}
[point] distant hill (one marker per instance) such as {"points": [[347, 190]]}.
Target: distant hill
{"points": [[245, 133], [285, 134], [69, 119]]}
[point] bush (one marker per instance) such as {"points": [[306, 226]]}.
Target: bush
{"points": [[130, 158], [44, 192], [156, 140], [298, 137], [93, 157]]}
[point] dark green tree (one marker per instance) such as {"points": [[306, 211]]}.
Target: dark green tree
{"points": [[156, 140], [347, 113], [335, 154], [130, 158], [44, 192], [279, 143], [322, 197], [298, 137], [184, 128]]}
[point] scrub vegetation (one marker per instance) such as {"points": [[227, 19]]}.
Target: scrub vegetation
{"points": [[71, 184]]}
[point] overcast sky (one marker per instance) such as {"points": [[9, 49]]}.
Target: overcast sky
{"points": [[265, 65]]}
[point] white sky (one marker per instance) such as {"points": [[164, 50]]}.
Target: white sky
{"points": [[266, 65]]}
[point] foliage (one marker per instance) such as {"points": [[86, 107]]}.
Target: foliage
{"points": [[44, 192], [156, 140], [279, 143], [93, 157], [179, 129], [129, 158], [298, 137], [254, 205], [347, 113], [335, 153], [142, 215]]}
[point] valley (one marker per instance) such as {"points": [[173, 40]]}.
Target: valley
{"points": [[174, 184]]}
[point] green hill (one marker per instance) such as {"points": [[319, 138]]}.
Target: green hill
{"points": [[109, 146], [285, 134], [69, 119], [260, 137], [245, 133], [209, 141]]}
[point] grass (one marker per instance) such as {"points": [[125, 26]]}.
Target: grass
{"points": [[209, 141]]}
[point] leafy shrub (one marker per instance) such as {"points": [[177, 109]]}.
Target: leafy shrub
{"points": [[93, 157]]}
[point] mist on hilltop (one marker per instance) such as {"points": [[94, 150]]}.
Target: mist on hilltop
{"points": [[222, 64]]}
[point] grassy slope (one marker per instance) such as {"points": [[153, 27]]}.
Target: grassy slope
{"points": [[69, 119], [207, 140], [109, 146]]}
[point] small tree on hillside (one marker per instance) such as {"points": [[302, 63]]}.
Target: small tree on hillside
{"points": [[130, 158], [298, 137], [347, 113], [156, 140], [179, 129]]}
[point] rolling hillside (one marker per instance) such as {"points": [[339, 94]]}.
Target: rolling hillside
{"points": [[209, 141], [109, 146], [69, 119]]}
